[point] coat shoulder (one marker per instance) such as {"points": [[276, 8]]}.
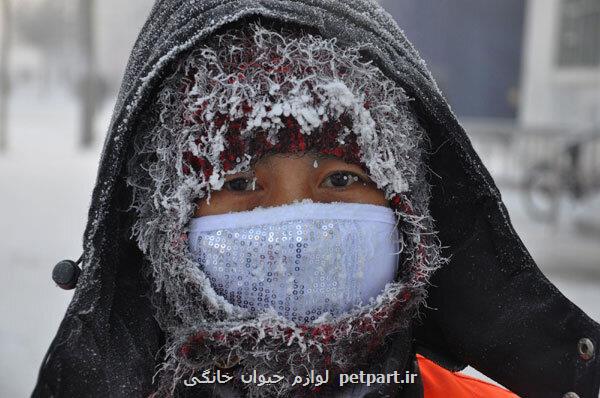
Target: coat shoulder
{"points": [[440, 382]]}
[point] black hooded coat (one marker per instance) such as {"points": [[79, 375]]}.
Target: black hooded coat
{"points": [[490, 307]]}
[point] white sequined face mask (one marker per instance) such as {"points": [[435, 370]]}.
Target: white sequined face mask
{"points": [[302, 260]]}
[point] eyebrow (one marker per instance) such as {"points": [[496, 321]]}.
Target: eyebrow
{"points": [[266, 160], [320, 156]]}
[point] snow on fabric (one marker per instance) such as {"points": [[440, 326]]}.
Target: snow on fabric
{"points": [[263, 83], [240, 96]]}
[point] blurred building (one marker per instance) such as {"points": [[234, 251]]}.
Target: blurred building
{"points": [[523, 76], [534, 61], [561, 64], [473, 48]]}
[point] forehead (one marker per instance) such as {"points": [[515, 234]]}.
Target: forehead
{"points": [[310, 155], [314, 157]]}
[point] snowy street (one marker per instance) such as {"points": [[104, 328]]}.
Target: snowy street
{"points": [[45, 191], [45, 188]]}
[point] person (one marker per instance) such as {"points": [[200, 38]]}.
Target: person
{"points": [[286, 206]]}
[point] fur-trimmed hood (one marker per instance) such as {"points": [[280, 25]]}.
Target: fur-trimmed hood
{"points": [[246, 92], [489, 307]]}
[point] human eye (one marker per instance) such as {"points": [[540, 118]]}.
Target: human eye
{"points": [[341, 179], [240, 184]]}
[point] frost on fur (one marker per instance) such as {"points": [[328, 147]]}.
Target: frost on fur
{"points": [[258, 83], [225, 104]]}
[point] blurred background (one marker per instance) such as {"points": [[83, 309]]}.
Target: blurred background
{"points": [[523, 76]]}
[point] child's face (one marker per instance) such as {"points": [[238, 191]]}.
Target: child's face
{"points": [[284, 178]]}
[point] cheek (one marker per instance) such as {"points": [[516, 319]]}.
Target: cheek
{"points": [[372, 196], [359, 194]]}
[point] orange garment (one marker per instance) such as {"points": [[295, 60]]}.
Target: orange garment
{"points": [[439, 382]]}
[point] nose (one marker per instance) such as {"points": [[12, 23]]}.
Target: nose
{"points": [[290, 180], [288, 190], [282, 196]]}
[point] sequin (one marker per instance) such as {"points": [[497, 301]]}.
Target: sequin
{"points": [[301, 269]]}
